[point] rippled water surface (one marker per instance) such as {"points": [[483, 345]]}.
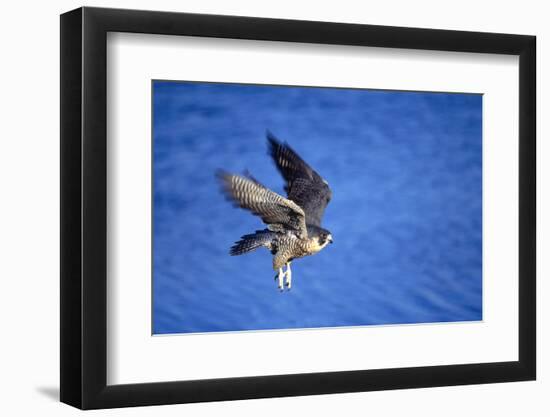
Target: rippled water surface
{"points": [[405, 169]]}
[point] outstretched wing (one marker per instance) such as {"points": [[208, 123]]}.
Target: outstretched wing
{"points": [[277, 212], [304, 186]]}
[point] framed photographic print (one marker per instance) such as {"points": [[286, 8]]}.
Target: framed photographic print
{"points": [[259, 207]]}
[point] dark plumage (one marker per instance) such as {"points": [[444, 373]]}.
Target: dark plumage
{"points": [[253, 241], [293, 223], [303, 185]]}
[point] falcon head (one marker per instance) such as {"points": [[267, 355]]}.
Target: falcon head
{"points": [[324, 238], [319, 236]]}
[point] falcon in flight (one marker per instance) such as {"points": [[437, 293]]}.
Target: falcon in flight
{"points": [[293, 223]]}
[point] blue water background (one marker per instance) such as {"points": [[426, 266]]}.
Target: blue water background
{"points": [[405, 169]]}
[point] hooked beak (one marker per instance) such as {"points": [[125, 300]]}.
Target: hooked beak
{"points": [[330, 239]]}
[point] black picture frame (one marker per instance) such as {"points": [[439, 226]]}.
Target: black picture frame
{"points": [[84, 207]]}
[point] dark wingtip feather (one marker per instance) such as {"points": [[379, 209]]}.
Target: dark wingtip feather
{"points": [[273, 144], [235, 250], [270, 136], [277, 148]]}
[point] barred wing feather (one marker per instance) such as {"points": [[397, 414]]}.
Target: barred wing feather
{"points": [[277, 212]]}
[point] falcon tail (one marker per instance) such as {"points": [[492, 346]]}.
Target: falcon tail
{"points": [[251, 242]]}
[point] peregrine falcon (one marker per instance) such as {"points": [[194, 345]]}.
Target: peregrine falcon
{"points": [[293, 223]]}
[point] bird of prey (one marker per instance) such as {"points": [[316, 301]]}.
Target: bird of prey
{"points": [[293, 223]]}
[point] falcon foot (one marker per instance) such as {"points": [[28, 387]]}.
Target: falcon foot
{"points": [[284, 278], [288, 274], [280, 278]]}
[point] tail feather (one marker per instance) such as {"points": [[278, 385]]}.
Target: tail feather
{"points": [[251, 242]]}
